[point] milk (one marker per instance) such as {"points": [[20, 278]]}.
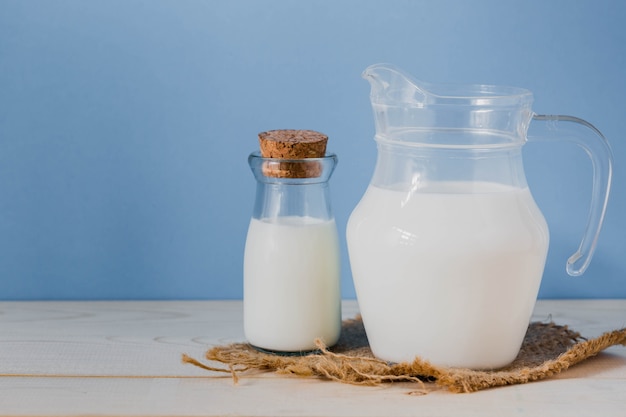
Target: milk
{"points": [[450, 273], [291, 283]]}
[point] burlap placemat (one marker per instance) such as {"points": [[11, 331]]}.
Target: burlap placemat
{"points": [[548, 349]]}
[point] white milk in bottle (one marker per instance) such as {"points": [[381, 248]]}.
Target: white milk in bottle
{"points": [[291, 283], [449, 274]]}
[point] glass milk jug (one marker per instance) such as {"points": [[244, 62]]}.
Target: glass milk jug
{"points": [[447, 246]]}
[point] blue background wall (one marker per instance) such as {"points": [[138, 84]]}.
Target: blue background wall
{"points": [[125, 126]]}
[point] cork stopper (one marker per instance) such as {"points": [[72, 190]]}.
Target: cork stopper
{"points": [[292, 145]]}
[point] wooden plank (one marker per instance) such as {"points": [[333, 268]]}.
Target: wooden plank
{"points": [[123, 359], [145, 338]]}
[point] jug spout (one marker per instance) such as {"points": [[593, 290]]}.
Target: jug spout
{"points": [[390, 85], [398, 101]]}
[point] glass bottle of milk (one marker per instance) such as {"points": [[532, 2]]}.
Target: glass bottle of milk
{"points": [[291, 258]]}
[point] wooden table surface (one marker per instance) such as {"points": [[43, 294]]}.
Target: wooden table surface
{"points": [[123, 358]]}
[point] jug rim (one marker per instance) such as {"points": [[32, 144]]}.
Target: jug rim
{"points": [[428, 94]]}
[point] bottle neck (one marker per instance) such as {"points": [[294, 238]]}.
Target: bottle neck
{"points": [[412, 168], [292, 188], [278, 200]]}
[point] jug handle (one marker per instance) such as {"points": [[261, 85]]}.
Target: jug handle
{"points": [[595, 145]]}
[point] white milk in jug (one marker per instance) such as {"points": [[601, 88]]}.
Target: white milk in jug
{"points": [[450, 274], [292, 261]]}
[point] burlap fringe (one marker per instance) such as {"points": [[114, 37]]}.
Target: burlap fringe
{"points": [[363, 370]]}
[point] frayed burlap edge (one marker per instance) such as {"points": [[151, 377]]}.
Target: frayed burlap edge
{"points": [[359, 368]]}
